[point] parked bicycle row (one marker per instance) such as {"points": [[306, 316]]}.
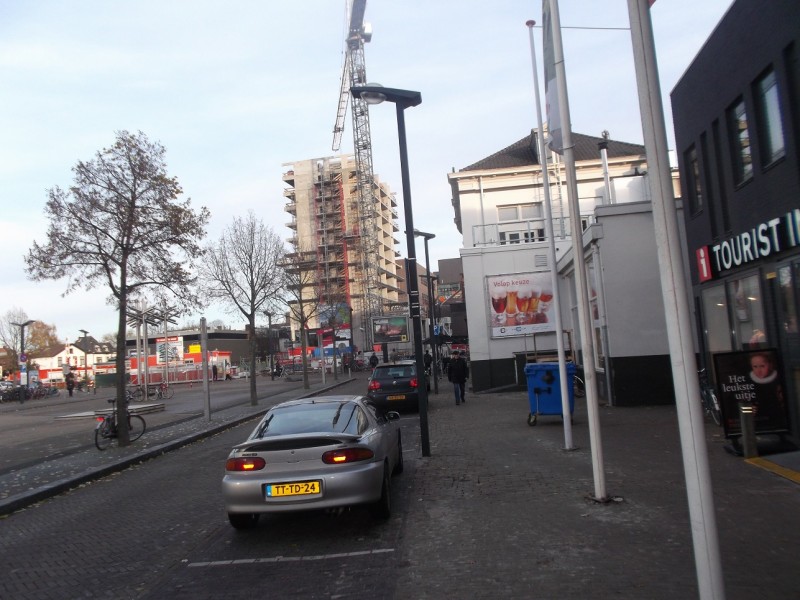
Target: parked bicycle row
{"points": [[12, 393]]}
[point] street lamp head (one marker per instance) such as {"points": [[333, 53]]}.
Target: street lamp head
{"points": [[375, 93], [427, 236], [25, 324]]}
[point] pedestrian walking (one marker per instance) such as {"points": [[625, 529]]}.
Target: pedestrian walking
{"points": [[373, 361], [458, 373], [70, 377], [214, 372], [428, 359]]}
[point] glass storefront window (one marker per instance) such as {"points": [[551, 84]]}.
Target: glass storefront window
{"points": [[748, 313], [715, 317]]}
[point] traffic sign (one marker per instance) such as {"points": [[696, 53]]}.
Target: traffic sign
{"points": [[23, 358]]}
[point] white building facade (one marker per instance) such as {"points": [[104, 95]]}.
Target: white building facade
{"points": [[499, 209]]}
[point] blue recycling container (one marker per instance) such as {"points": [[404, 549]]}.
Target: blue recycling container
{"points": [[544, 389]]}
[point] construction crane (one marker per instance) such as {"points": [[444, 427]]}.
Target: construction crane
{"points": [[366, 239]]}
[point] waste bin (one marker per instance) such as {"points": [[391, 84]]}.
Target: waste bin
{"points": [[544, 389]]}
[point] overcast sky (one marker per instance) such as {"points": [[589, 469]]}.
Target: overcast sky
{"points": [[235, 89]]}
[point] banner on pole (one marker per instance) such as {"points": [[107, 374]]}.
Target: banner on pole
{"points": [[550, 88]]}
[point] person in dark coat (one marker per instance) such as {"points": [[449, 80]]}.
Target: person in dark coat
{"points": [[458, 373], [70, 377], [373, 361]]}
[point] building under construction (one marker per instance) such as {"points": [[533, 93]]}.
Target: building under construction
{"points": [[351, 243]]}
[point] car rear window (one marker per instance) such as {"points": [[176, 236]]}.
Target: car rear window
{"points": [[329, 417], [395, 372]]}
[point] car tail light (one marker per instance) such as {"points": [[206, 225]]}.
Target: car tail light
{"points": [[245, 464], [374, 385], [348, 455], [414, 383], [99, 419]]}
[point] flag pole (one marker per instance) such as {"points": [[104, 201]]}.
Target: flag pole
{"points": [[550, 10], [551, 245], [676, 306]]}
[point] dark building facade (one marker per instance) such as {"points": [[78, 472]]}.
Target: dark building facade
{"points": [[736, 113]]}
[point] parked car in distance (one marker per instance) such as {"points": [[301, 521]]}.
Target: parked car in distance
{"points": [[395, 385], [325, 452]]}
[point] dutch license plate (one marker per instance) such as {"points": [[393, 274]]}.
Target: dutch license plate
{"points": [[400, 397], [297, 488]]}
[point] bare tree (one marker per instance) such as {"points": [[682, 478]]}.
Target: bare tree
{"points": [[304, 296], [121, 225], [242, 271], [10, 336]]}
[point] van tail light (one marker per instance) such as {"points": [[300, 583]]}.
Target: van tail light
{"points": [[348, 455], [414, 382], [245, 464]]}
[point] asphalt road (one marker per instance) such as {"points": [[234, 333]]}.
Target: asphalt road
{"points": [[60, 425], [158, 530]]}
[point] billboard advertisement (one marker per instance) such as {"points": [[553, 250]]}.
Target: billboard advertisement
{"points": [[169, 349], [754, 378], [390, 330], [519, 304]]}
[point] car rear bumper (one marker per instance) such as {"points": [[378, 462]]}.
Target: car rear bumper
{"points": [[359, 484]]}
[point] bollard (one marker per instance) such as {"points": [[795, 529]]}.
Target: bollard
{"points": [[747, 413]]}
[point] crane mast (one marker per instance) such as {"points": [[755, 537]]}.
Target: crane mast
{"points": [[366, 239]]}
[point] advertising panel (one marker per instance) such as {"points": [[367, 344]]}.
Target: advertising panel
{"points": [[751, 377], [334, 315], [169, 349], [389, 330], [519, 304]]}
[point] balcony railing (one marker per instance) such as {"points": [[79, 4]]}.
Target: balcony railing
{"points": [[522, 232]]}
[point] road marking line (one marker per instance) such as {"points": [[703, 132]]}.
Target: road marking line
{"points": [[278, 559]]}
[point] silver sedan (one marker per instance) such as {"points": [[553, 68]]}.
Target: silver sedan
{"points": [[325, 452]]}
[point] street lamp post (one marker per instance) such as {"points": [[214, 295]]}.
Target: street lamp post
{"points": [[403, 99], [431, 315], [22, 326], [85, 358]]}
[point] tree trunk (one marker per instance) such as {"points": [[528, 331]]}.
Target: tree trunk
{"points": [[253, 396], [123, 437]]}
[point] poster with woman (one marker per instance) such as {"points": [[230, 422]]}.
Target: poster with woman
{"points": [[752, 377], [519, 304]]}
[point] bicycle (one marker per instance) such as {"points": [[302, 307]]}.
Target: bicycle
{"points": [[160, 391], [578, 387], [708, 395], [164, 391], [106, 428]]}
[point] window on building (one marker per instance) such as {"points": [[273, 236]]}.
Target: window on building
{"points": [[739, 134], [770, 128], [530, 211], [60, 361], [715, 319], [748, 312], [722, 197], [693, 187], [520, 212], [507, 213], [708, 185]]}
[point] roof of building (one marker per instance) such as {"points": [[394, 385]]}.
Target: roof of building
{"points": [[523, 153]]}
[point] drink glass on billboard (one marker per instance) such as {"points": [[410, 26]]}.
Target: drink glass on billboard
{"points": [[511, 304], [523, 304], [545, 298], [499, 299]]}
